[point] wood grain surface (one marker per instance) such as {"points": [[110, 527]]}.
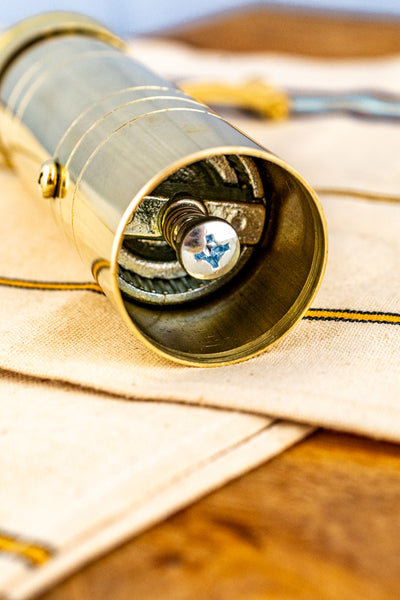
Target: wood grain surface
{"points": [[307, 33], [322, 520]]}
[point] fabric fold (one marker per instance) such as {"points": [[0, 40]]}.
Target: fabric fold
{"points": [[83, 472], [338, 368]]}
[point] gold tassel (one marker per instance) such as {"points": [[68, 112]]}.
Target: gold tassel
{"points": [[255, 95]]}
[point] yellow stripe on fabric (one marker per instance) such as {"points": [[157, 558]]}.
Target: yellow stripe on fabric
{"points": [[98, 266], [352, 315], [358, 194], [49, 285], [321, 314], [33, 553]]}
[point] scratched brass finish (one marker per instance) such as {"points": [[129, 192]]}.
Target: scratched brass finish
{"points": [[117, 134]]}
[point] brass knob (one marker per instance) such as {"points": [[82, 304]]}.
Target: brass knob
{"points": [[48, 179], [53, 179]]}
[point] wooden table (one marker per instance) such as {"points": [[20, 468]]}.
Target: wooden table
{"points": [[322, 520]]}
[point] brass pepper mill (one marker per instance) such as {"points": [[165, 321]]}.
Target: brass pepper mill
{"points": [[210, 247]]}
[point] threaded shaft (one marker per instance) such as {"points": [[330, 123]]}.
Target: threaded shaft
{"points": [[178, 216]]}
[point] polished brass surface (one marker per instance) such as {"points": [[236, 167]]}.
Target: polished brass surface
{"points": [[53, 180], [119, 136], [48, 178]]}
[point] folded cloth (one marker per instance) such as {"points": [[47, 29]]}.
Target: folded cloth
{"points": [[82, 471], [99, 436]]}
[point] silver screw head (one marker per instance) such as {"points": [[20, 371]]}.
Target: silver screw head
{"points": [[209, 249]]}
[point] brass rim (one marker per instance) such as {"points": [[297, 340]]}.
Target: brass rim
{"points": [[292, 317], [35, 29]]}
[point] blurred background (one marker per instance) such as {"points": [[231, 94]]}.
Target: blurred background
{"points": [[147, 16]]}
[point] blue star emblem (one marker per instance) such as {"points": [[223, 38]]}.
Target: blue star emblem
{"points": [[212, 252]]}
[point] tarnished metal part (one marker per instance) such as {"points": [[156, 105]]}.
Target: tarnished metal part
{"points": [[163, 269], [150, 273], [254, 176], [159, 290], [223, 168], [145, 220], [247, 218]]}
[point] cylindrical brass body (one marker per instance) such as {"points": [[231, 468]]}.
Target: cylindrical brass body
{"points": [[71, 94]]}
